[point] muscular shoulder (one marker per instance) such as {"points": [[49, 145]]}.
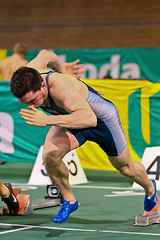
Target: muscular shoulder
{"points": [[64, 80], [67, 85], [42, 70]]}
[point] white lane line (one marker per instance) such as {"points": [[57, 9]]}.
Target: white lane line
{"points": [[100, 187], [25, 185], [16, 230], [73, 186], [43, 227], [124, 194], [80, 230], [134, 233]]}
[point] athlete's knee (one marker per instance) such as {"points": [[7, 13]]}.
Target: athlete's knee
{"points": [[127, 171], [51, 156]]}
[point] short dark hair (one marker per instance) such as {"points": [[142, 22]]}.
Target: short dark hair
{"points": [[24, 80], [20, 48]]}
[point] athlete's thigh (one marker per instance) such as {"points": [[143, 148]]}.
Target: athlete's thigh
{"points": [[60, 139], [122, 159]]}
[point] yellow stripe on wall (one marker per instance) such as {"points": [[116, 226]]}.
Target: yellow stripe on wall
{"points": [[3, 54]]}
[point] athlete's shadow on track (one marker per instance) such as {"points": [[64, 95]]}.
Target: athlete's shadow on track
{"points": [[37, 219], [40, 219], [89, 221]]}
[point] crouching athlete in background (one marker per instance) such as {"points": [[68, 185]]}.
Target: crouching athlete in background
{"points": [[79, 114]]}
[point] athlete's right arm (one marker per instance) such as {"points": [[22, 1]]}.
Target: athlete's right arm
{"points": [[46, 59]]}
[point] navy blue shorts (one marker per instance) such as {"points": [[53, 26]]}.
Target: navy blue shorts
{"points": [[103, 135]]}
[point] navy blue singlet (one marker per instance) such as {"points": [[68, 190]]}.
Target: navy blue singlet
{"points": [[108, 133]]}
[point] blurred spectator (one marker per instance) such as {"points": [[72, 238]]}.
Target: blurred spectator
{"points": [[10, 64], [107, 76]]}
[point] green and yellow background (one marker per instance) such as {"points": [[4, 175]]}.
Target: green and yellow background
{"points": [[137, 101]]}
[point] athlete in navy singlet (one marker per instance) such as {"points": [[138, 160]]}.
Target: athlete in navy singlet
{"points": [[78, 114], [108, 133]]}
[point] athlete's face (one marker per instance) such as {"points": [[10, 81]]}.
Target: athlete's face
{"points": [[34, 99]]}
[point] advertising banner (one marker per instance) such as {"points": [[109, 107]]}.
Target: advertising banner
{"points": [[123, 63], [138, 104], [18, 141]]}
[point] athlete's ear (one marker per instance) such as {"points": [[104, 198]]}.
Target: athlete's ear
{"points": [[43, 85]]}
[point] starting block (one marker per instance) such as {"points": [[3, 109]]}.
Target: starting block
{"points": [[149, 218], [27, 206]]}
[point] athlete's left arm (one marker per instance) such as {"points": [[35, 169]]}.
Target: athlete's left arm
{"points": [[49, 59], [46, 59], [80, 114], [73, 68]]}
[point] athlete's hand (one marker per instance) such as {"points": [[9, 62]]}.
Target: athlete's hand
{"points": [[34, 117], [73, 68]]}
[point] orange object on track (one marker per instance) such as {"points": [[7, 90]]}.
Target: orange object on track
{"points": [[23, 200], [156, 208]]}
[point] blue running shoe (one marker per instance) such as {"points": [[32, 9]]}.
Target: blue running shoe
{"points": [[150, 202], [65, 211]]}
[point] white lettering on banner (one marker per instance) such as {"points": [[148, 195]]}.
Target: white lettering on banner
{"points": [[90, 71], [131, 70], [6, 133], [112, 67]]}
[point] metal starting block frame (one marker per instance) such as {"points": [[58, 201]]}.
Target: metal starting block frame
{"points": [[54, 198], [41, 203], [149, 218], [146, 220]]}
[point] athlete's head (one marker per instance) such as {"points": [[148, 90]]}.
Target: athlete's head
{"points": [[20, 48], [24, 80]]}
